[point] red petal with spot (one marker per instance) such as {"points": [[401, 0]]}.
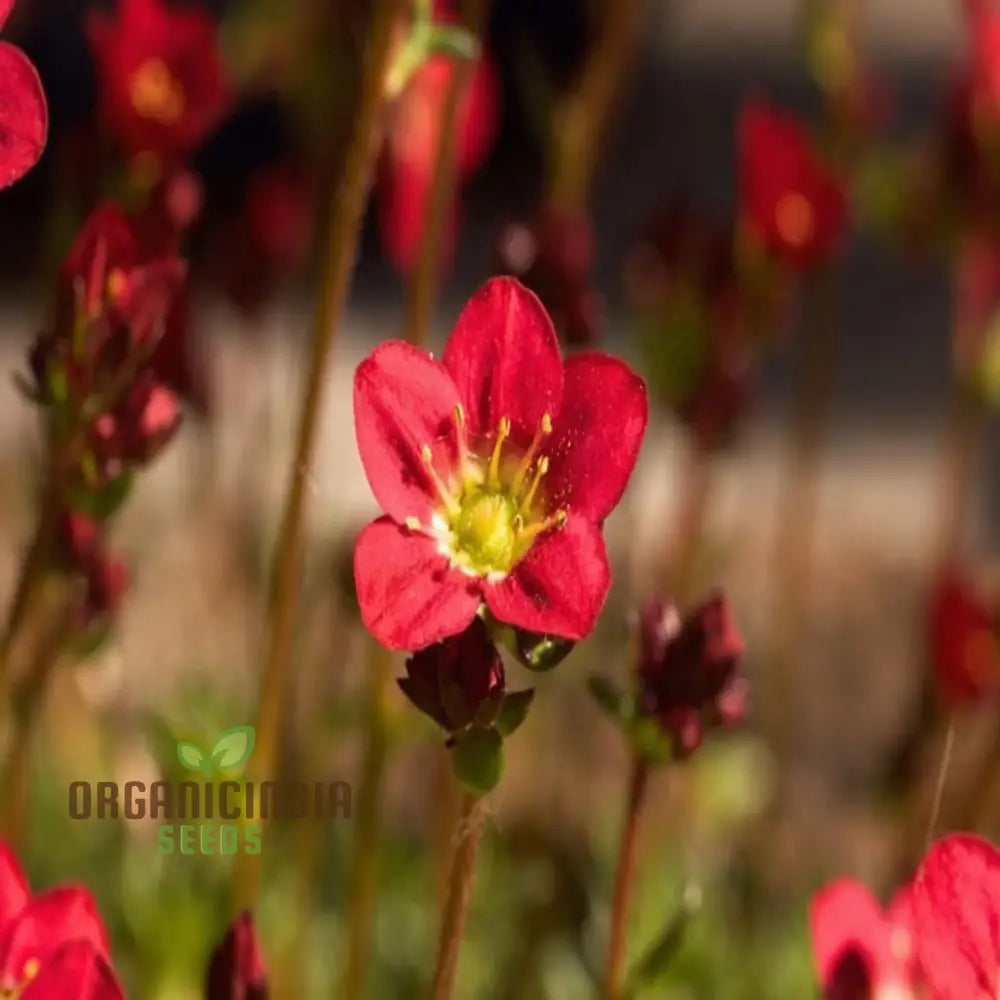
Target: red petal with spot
{"points": [[409, 595], [24, 115], [46, 923], [504, 357], [403, 400], [597, 435], [75, 972], [559, 587], [956, 918], [14, 890]]}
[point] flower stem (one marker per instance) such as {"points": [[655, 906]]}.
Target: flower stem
{"points": [[364, 867], [581, 132], [348, 202], [424, 283], [624, 880], [456, 907]]}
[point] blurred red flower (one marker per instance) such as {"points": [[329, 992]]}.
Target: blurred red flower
{"points": [[24, 113], [52, 946], [236, 969], [861, 950], [496, 468], [963, 639], [162, 83], [955, 906], [406, 172], [790, 200]]}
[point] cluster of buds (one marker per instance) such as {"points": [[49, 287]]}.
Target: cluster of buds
{"points": [[554, 256], [460, 683], [691, 322], [108, 410], [688, 679]]}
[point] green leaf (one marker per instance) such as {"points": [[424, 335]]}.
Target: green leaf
{"points": [[103, 502], [233, 747], [650, 741], [478, 759], [657, 958], [514, 710], [450, 40], [191, 755], [617, 703]]}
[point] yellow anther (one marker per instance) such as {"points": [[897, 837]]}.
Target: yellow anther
{"points": [[31, 969], [503, 432], [427, 456], [459, 414], [156, 93], [540, 470], [529, 534], [544, 428], [412, 524], [115, 285]]}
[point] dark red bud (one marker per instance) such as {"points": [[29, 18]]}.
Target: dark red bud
{"points": [[236, 968]]}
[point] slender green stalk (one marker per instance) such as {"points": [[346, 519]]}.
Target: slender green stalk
{"points": [[348, 201], [456, 908], [624, 881]]}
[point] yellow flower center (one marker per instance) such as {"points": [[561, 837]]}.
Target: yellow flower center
{"points": [[492, 511], [156, 93], [795, 219], [10, 990]]}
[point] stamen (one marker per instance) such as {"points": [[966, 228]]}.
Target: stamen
{"points": [[427, 456], [540, 470], [529, 534], [458, 415], [413, 524], [503, 432], [544, 428]]}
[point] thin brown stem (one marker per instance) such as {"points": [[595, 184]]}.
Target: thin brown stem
{"points": [[348, 201], [624, 880], [425, 279], [456, 908], [367, 834], [583, 117]]}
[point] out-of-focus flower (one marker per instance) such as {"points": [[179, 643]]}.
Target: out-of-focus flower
{"points": [[24, 113], [459, 681], [862, 952], [963, 638], [554, 256], [689, 670], [955, 912], [791, 202], [496, 468], [107, 579], [406, 172], [162, 84], [53, 946], [690, 315], [236, 970]]}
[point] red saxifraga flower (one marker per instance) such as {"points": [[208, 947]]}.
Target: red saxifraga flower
{"points": [[52, 946], [790, 200], [496, 467], [24, 113], [162, 83]]}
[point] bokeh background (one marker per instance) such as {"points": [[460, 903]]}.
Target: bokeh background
{"points": [[743, 833]]}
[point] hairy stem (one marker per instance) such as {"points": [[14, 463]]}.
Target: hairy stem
{"points": [[348, 201]]}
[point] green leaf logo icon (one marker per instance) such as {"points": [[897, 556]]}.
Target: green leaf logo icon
{"points": [[192, 756], [233, 748]]}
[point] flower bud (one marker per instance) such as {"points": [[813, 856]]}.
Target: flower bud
{"points": [[236, 969]]}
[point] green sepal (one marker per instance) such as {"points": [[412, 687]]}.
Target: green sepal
{"points": [[478, 759], [514, 710]]}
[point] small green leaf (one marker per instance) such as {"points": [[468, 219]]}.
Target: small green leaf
{"points": [[657, 958], [650, 741], [619, 705], [514, 710], [478, 759], [102, 502], [233, 747], [191, 755]]}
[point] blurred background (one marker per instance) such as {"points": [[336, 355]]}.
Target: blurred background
{"points": [[738, 837]]}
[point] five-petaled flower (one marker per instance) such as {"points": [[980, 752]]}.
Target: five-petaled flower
{"points": [[52, 946], [162, 84], [24, 113], [496, 467], [862, 952], [790, 200]]}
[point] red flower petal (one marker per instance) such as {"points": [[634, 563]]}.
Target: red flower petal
{"points": [[559, 587], [504, 357], [24, 115], [14, 890], [597, 435], [956, 918], [75, 972], [45, 924], [403, 400], [410, 596], [6, 6]]}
